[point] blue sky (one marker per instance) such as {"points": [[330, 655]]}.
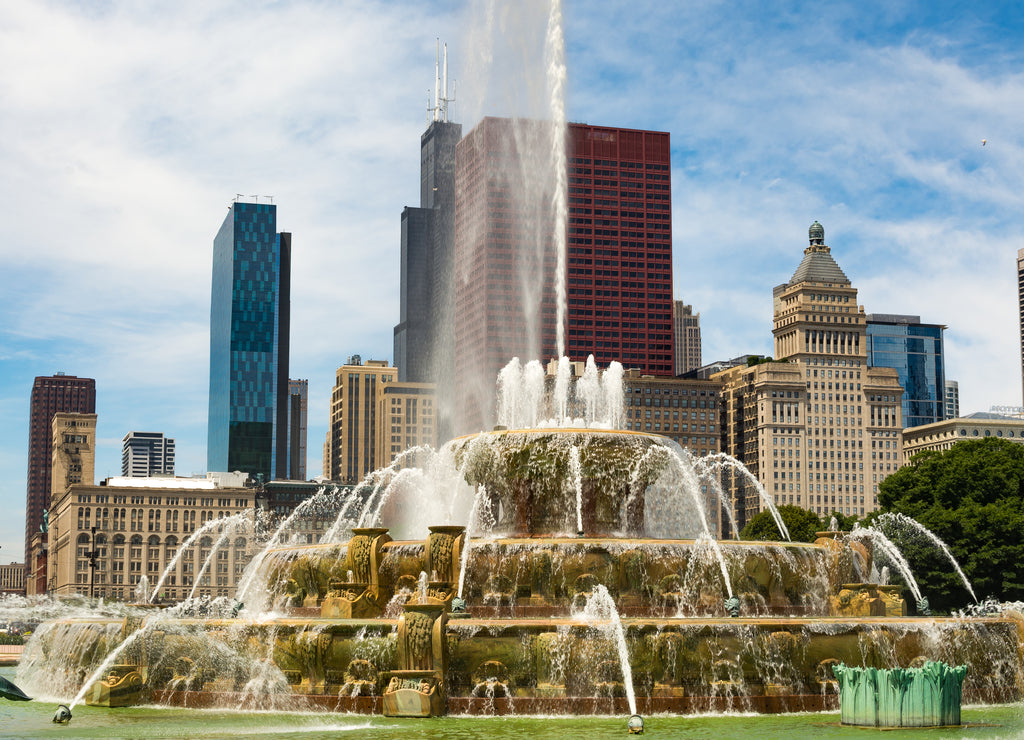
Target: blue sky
{"points": [[127, 128]]}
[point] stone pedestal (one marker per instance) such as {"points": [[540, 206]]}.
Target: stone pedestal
{"points": [[418, 689]]}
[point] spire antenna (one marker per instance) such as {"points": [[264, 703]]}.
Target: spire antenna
{"points": [[437, 83], [444, 100]]}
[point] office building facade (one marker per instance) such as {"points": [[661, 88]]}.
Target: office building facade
{"points": [[138, 532], [424, 335], [620, 248], [618, 279], [915, 351], [407, 419], [424, 330], [249, 338], [684, 410], [1020, 307], [351, 447], [686, 325], [12, 579], [50, 395], [74, 451], [298, 407], [145, 454], [817, 426], [942, 435], [952, 394]]}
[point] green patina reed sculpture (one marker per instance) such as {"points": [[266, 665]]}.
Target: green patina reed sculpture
{"points": [[928, 696]]}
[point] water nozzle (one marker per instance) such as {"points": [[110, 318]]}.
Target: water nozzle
{"points": [[635, 725], [732, 605], [63, 714]]}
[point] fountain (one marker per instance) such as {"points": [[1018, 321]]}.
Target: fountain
{"points": [[594, 584]]}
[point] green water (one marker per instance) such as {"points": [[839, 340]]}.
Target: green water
{"points": [[33, 720]]}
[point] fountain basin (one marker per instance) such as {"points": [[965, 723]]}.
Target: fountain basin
{"points": [[532, 489], [561, 665]]}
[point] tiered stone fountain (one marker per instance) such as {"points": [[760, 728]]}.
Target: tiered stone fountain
{"points": [[499, 623]]}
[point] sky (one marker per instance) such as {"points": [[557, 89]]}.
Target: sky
{"points": [[127, 129]]}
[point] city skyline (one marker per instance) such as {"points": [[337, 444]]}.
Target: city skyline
{"points": [[123, 151]]}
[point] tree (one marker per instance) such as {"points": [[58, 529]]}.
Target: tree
{"points": [[803, 525], [972, 497]]}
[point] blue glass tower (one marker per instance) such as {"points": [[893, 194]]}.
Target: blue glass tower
{"points": [[249, 326], [914, 350]]}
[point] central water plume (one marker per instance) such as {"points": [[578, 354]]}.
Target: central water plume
{"points": [[528, 398]]}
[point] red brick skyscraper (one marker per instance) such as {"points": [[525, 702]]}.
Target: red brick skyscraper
{"points": [[620, 248], [50, 395], [619, 254]]}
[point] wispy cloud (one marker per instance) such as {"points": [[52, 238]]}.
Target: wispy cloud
{"points": [[127, 128]]}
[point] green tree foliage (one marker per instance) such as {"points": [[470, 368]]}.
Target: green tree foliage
{"points": [[801, 523], [972, 497]]}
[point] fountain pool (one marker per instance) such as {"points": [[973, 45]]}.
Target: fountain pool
{"points": [[32, 720]]}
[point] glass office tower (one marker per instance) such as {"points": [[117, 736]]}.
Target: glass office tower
{"points": [[914, 350], [249, 324]]}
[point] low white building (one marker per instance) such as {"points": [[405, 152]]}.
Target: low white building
{"points": [[942, 435]]}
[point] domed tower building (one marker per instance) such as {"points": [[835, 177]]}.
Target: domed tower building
{"points": [[817, 426]]}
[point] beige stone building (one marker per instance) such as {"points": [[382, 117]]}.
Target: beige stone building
{"points": [[12, 578], [352, 429], [136, 526], [819, 428], [686, 328], [942, 435], [374, 418], [74, 450], [407, 414], [686, 411]]}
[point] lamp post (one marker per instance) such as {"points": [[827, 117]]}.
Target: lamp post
{"points": [[92, 554]]}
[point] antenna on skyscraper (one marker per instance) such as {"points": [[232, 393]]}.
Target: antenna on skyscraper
{"points": [[445, 99], [437, 108], [437, 82]]}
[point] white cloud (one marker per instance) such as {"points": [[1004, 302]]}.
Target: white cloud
{"points": [[126, 130]]}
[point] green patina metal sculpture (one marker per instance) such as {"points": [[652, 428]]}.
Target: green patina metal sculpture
{"points": [[928, 696]]}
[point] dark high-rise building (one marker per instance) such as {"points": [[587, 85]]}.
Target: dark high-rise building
{"points": [[1020, 306], [619, 253], [50, 395], [423, 335], [249, 327], [914, 350], [298, 402], [504, 259]]}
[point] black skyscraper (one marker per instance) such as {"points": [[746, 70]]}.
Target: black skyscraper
{"points": [[423, 336]]}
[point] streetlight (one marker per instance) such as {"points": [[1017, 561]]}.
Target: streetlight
{"points": [[92, 555]]}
